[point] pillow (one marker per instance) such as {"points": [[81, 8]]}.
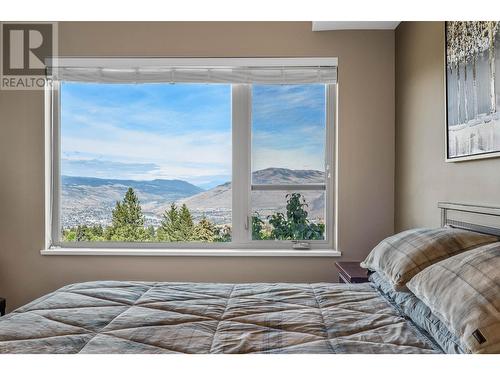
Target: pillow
{"points": [[400, 257], [420, 314], [464, 293]]}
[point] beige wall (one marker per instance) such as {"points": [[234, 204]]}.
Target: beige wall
{"points": [[366, 153], [422, 176]]}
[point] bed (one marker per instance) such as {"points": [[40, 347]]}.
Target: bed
{"points": [[170, 317], [138, 317]]}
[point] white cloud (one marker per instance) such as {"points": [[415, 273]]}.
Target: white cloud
{"points": [[141, 133], [299, 158], [151, 113], [289, 96], [114, 143]]}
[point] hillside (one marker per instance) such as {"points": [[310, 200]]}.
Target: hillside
{"points": [[287, 176], [216, 202], [90, 200], [166, 188]]}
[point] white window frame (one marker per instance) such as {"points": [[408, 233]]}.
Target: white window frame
{"points": [[241, 243]]}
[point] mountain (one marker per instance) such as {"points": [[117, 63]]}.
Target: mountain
{"points": [[90, 200], [172, 188], [288, 176], [216, 203], [87, 200]]}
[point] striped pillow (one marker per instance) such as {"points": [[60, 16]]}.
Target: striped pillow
{"points": [[464, 293], [420, 314], [400, 257]]}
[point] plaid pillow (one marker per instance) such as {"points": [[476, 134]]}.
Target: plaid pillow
{"points": [[420, 314], [464, 292], [400, 257]]}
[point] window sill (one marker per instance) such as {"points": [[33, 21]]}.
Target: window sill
{"points": [[193, 252]]}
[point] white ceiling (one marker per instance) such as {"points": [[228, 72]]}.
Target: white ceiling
{"points": [[354, 25]]}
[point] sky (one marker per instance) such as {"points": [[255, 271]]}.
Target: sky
{"points": [[183, 131]]}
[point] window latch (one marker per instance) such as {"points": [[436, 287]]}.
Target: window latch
{"points": [[301, 245]]}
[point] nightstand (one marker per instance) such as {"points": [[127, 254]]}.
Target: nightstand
{"points": [[2, 306], [351, 273]]}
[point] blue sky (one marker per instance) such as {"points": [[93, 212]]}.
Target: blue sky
{"points": [[150, 131], [288, 126]]}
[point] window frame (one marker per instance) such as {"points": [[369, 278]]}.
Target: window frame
{"points": [[241, 107]]}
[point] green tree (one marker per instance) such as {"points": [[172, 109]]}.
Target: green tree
{"points": [[294, 225], [186, 225], [128, 212], [128, 220], [84, 233], [257, 227], [97, 231], [177, 225], [205, 231], [151, 232], [81, 233], [169, 227], [223, 233], [281, 229], [69, 235]]}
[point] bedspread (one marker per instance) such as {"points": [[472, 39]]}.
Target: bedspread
{"points": [[168, 317]]}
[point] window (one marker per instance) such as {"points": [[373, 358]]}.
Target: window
{"points": [[191, 153], [162, 151], [288, 162]]}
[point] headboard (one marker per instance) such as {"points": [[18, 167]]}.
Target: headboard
{"points": [[447, 208]]}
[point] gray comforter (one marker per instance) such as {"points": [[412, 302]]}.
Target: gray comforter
{"points": [[146, 317]]}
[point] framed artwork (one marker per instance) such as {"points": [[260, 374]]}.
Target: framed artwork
{"points": [[472, 90]]}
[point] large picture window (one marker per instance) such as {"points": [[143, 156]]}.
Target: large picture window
{"points": [[145, 162], [191, 157]]}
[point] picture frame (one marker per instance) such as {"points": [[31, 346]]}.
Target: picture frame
{"points": [[472, 87]]}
